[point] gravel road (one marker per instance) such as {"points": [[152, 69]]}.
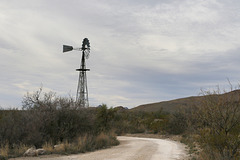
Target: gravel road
{"points": [[130, 148]]}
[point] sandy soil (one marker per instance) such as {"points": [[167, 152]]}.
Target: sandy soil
{"points": [[130, 148]]}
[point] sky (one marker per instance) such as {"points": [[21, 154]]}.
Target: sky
{"points": [[141, 51]]}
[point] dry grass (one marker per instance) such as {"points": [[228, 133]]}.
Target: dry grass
{"points": [[62, 148], [102, 140], [210, 154], [48, 147], [82, 144], [15, 151], [4, 150], [19, 150]]}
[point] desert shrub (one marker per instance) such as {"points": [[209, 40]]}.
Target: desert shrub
{"points": [[104, 118], [177, 123], [219, 117], [126, 121], [155, 122], [47, 119]]}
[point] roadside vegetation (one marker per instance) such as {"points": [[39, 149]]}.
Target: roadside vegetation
{"points": [[55, 124], [210, 126], [216, 120]]}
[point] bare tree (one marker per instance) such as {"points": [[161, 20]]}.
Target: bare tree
{"points": [[219, 116]]}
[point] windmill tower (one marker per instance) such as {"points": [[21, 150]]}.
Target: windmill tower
{"points": [[82, 91]]}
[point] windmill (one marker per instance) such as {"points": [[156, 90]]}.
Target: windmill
{"points": [[82, 91]]}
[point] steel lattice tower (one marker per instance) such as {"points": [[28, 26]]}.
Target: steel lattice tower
{"points": [[82, 91]]}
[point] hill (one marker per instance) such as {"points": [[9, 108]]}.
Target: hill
{"points": [[173, 105]]}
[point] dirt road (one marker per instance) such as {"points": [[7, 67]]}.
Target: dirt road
{"points": [[130, 148]]}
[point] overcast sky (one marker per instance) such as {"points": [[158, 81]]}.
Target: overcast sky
{"points": [[142, 51]]}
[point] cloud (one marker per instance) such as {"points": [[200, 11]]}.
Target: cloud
{"points": [[141, 51]]}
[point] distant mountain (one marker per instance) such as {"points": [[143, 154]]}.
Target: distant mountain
{"points": [[174, 105]]}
